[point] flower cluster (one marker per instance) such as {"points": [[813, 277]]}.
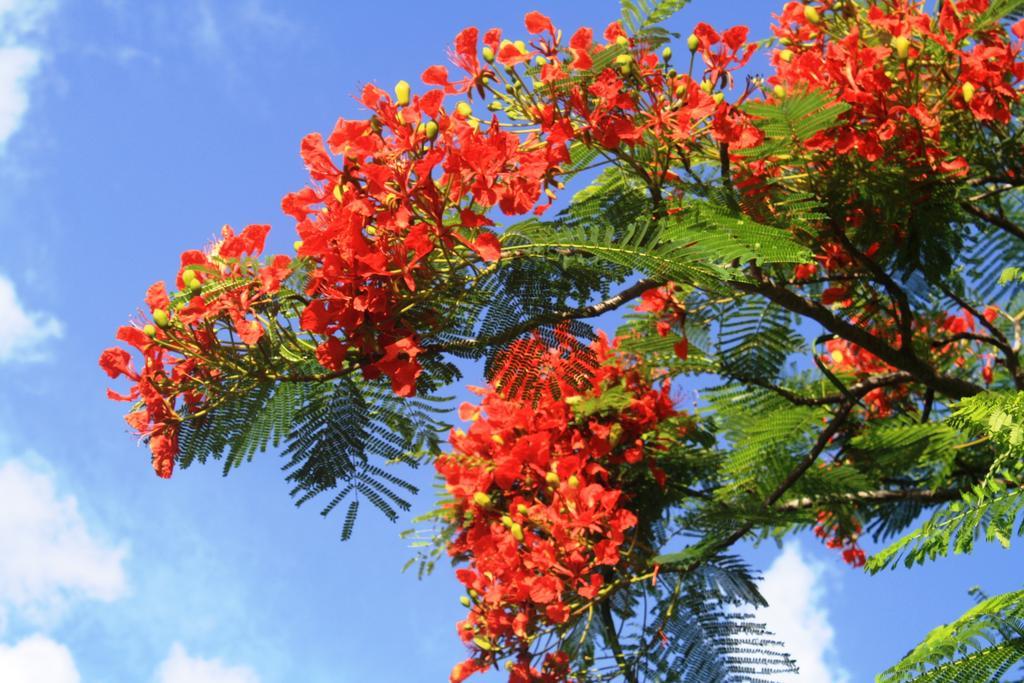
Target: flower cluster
{"points": [[671, 313], [841, 534], [538, 506], [219, 299], [898, 72]]}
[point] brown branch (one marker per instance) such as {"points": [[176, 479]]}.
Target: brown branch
{"points": [[591, 311], [924, 496], [902, 359], [994, 219], [858, 389]]}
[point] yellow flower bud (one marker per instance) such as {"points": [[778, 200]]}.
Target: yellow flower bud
{"points": [[296, 245], [188, 275], [902, 45], [680, 90], [430, 129], [786, 55], [837, 356], [718, 97], [811, 14], [517, 531], [521, 46], [692, 42], [160, 317], [402, 90], [522, 509], [541, 60], [194, 284], [624, 60], [338, 192], [496, 438], [707, 86], [507, 521], [779, 91], [666, 54], [463, 109], [622, 41], [466, 602], [488, 54], [481, 499], [483, 643], [149, 330], [551, 478], [574, 481], [968, 91], [494, 106]]}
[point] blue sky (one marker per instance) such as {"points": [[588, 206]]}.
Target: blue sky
{"points": [[130, 131]]}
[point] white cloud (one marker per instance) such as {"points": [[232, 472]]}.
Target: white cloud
{"points": [[37, 659], [180, 667], [21, 23], [206, 30], [48, 555], [22, 333], [794, 588]]}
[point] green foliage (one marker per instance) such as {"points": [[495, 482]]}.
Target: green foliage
{"points": [[990, 507], [338, 438], [980, 646], [696, 245], [640, 18], [792, 120]]}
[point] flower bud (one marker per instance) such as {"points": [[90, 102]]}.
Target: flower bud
{"points": [[522, 509], [968, 91], [481, 499], [541, 60], [296, 245], [779, 91], [707, 86], [188, 275], [483, 643], [402, 90], [488, 52], [160, 317], [507, 521], [463, 109], [680, 90], [622, 41], [466, 602], [692, 42], [666, 54], [718, 97], [574, 481], [430, 129], [811, 14], [902, 45], [551, 478], [194, 284], [786, 55], [517, 531], [624, 60], [521, 46], [149, 330]]}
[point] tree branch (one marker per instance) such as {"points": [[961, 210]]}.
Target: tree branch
{"points": [[591, 311], [994, 219], [902, 359]]}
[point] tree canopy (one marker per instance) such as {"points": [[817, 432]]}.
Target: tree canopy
{"points": [[834, 247]]}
